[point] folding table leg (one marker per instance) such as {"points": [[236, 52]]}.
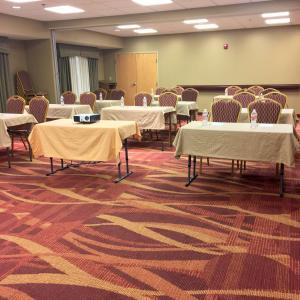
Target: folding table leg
{"points": [[281, 184], [51, 167], [8, 156], [191, 179]]}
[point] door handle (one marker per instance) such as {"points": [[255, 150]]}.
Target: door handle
{"points": [[134, 84]]}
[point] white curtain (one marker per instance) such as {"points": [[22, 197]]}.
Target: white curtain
{"points": [[80, 78]]}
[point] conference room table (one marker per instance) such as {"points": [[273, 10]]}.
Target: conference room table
{"points": [[97, 142], [147, 118], [183, 108], [273, 143], [9, 120], [100, 104], [65, 111]]}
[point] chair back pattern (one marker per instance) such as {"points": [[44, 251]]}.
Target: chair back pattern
{"points": [[179, 89], [38, 107], [168, 99], [255, 89], [278, 97], [117, 94], [267, 110], [69, 97], [227, 111], [15, 105], [102, 91], [244, 98], [160, 90], [268, 90], [138, 99], [231, 90], [88, 98], [189, 94]]}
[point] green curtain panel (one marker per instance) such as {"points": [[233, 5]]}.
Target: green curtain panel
{"points": [[64, 74], [5, 81], [93, 73]]}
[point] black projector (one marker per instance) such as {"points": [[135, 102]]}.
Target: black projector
{"points": [[86, 118]]}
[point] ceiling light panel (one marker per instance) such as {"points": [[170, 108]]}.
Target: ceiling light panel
{"points": [[145, 30], [22, 1], [206, 26], [278, 21], [152, 2], [64, 9], [129, 26], [276, 14], [195, 21]]}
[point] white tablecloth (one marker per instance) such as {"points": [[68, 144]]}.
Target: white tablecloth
{"points": [[66, 111], [105, 103], [273, 143], [151, 117], [8, 120], [182, 108]]}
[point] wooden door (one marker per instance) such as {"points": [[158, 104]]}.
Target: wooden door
{"points": [[126, 75], [146, 72], [136, 72]]}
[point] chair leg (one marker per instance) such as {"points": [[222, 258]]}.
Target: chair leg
{"points": [[277, 169], [200, 166], [23, 143], [207, 160], [12, 145], [241, 167], [237, 164], [8, 157], [30, 149], [232, 167], [244, 165]]}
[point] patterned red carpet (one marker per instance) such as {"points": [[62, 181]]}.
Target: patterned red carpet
{"points": [[78, 235]]}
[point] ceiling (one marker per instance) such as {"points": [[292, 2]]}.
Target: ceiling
{"points": [[113, 8]]}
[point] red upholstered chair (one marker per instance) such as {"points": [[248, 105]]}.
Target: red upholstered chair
{"points": [[255, 89], [38, 107], [231, 90], [168, 99], [138, 99], [269, 90], [101, 91], [15, 105], [178, 89], [244, 98], [69, 97], [160, 90], [189, 94], [278, 97], [268, 110], [88, 98], [117, 94], [225, 111]]}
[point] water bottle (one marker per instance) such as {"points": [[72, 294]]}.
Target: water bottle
{"points": [[122, 101], [253, 118], [62, 102], [145, 102], [205, 117], [100, 96]]}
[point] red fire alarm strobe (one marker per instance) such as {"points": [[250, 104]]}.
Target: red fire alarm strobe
{"points": [[225, 46]]}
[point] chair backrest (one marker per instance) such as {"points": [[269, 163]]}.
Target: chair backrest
{"points": [[138, 99], [278, 97], [168, 99], [231, 90], [15, 105], [189, 94], [69, 97], [88, 98], [179, 89], [102, 91], [38, 107], [160, 90], [267, 110], [226, 111], [255, 89], [117, 94], [245, 98], [269, 90]]}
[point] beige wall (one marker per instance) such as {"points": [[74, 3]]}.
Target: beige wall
{"points": [[255, 56], [40, 67]]}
